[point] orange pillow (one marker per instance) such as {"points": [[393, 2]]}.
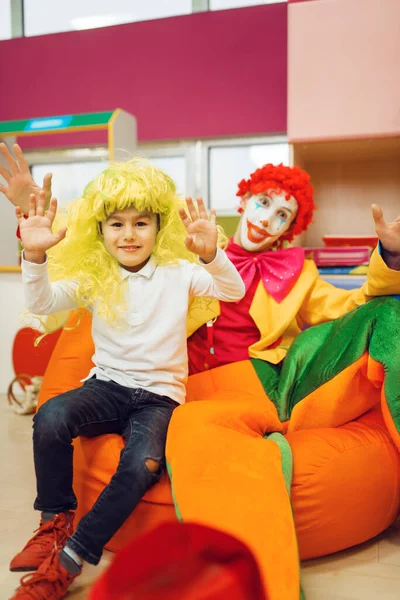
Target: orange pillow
{"points": [[71, 359]]}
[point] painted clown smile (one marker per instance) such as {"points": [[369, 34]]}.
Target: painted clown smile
{"points": [[256, 234]]}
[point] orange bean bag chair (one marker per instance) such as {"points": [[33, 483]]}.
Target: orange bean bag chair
{"points": [[346, 479]]}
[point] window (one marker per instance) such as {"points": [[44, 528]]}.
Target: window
{"points": [[69, 179], [47, 16], [175, 167], [229, 164], [176, 159], [211, 169], [224, 4], [224, 165], [5, 20]]}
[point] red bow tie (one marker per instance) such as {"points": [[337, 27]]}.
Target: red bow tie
{"points": [[279, 270]]}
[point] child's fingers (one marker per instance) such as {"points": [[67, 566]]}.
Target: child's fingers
{"points": [[202, 209], [32, 205], [194, 215], [20, 215], [40, 204], [185, 219], [52, 210], [60, 235], [213, 216]]}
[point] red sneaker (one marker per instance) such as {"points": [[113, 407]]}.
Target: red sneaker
{"points": [[52, 534], [50, 582]]}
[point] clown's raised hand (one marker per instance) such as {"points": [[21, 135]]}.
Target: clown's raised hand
{"points": [[19, 181], [36, 231], [389, 236], [202, 231]]}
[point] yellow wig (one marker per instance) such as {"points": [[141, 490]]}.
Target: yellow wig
{"points": [[82, 256]]}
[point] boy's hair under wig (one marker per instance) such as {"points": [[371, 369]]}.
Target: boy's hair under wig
{"points": [[82, 256]]}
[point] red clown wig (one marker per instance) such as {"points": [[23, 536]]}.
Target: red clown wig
{"points": [[292, 180]]}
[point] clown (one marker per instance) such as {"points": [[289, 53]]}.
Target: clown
{"points": [[283, 290], [330, 375]]}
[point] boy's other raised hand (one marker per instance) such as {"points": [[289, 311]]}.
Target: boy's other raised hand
{"points": [[202, 230], [19, 182], [36, 231]]}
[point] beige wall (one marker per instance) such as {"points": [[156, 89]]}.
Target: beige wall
{"points": [[11, 307], [343, 69]]}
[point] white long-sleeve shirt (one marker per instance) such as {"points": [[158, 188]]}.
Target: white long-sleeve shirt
{"points": [[150, 351]]}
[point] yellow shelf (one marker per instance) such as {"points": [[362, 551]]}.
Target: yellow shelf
{"points": [[10, 269]]}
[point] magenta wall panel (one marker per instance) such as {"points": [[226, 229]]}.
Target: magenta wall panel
{"points": [[202, 75]]}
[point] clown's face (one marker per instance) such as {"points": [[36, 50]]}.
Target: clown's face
{"points": [[265, 218]]}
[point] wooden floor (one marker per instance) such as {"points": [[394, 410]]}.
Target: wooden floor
{"points": [[368, 572]]}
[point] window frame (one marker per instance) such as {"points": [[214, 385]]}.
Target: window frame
{"points": [[205, 191]]}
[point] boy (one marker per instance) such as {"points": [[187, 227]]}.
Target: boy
{"points": [[125, 258]]}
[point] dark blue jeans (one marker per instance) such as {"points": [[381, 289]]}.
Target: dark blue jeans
{"points": [[99, 407]]}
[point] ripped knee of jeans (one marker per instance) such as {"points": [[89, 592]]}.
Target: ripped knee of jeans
{"points": [[152, 465]]}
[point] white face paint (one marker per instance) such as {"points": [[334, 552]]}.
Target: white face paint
{"points": [[266, 217]]}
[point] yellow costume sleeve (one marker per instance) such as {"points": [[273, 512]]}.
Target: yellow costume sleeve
{"points": [[324, 302]]}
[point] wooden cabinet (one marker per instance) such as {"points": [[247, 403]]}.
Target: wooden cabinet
{"points": [[349, 176]]}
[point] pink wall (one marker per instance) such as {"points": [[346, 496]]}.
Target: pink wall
{"points": [[202, 75], [343, 69]]}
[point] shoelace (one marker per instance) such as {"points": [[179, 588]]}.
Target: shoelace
{"points": [[50, 575], [47, 528]]}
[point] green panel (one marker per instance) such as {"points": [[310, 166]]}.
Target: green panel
{"points": [[229, 224], [55, 123], [91, 119], [11, 126]]}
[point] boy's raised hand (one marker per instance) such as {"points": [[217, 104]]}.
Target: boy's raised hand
{"points": [[36, 234], [19, 181], [202, 231]]}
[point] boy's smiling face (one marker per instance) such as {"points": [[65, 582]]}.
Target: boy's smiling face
{"points": [[130, 237]]}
